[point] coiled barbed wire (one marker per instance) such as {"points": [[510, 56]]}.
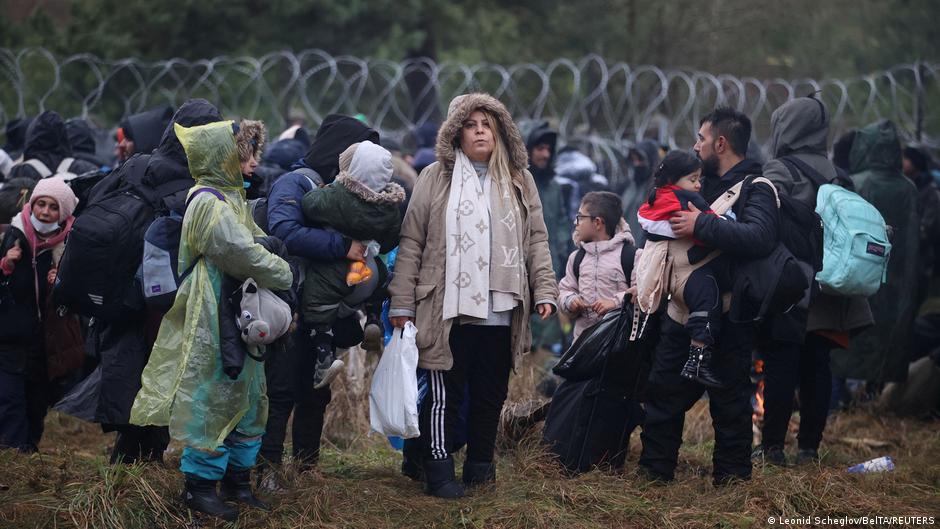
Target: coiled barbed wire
{"points": [[604, 107]]}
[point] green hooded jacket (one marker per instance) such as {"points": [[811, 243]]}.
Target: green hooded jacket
{"points": [[880, 353]]}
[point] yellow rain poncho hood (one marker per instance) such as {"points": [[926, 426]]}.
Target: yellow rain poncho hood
{"points": [[183, 385]]}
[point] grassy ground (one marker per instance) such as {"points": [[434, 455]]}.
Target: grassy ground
{"points": [[69, 484]]}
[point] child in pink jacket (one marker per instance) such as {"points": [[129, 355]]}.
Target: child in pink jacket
{"points": [[600, 286]]}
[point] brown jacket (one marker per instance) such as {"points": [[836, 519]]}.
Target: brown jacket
{"points": [[418, 285]]}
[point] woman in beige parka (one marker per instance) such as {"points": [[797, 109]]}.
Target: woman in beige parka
{"points": [[473, 264]]}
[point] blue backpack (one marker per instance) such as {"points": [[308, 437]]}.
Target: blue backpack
{"points": [[158, 273], [855, 243]]}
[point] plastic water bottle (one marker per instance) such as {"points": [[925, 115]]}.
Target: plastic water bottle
{"points": [[881, 464]]}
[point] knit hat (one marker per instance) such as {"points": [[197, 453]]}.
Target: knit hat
{"points": [[56, 189], [368, 164]]}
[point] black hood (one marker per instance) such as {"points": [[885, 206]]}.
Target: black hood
{"points": [[334, 136], [82, 138], [714, 187], [542, 133], [47, 140], [145, 129], [16, 136], [169, 159]]}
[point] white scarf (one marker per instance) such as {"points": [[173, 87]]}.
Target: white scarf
{"points": [[469, 278]]}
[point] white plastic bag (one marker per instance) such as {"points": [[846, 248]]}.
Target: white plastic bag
{"points": [[393, 400]]}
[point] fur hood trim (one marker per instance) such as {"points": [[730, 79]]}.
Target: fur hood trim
{"points": [[392, 194], [460, 109]]}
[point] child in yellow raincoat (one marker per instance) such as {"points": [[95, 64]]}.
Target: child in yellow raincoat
{"points": [[220, 420]]}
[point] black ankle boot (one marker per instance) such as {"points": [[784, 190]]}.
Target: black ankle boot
{"points": [[441, 481], [704, 374], [691, 365], [475, 473], [236, 486], [411, 460], [200, 495]]}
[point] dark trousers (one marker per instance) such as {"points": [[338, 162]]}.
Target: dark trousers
{"points": [[482, 362], [289, 375], [14, 427], [786, 367], [669, 396], [702, 295]]}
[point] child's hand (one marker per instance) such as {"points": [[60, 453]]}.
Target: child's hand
{"points": [[603, 306], [357, 251], [50, 277], [15, 253], [576, 305]]}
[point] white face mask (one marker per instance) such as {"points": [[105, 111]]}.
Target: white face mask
{"points": [[43, 227]]}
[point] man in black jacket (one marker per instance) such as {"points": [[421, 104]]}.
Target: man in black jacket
{"points": [[722, 145]]}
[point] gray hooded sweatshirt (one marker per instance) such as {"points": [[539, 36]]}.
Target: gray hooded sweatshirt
{"points": [[800, 127]]}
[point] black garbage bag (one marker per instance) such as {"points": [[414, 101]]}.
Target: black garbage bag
{"points": [[585, 358]]}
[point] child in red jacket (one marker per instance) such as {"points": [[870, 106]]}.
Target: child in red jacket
{"points": [[677, 183]]}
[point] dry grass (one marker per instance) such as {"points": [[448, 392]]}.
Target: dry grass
{"points": [[358, 485]]}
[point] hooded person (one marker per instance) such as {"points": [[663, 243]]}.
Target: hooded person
{"points": [[124, 347], [916, 166], [82, 138], [141, 133], [183, 385], [800, 341], [47, 150], [362, 204], [473, 265], [290, 376], [541, 141], [16, 136], [30, 252], [881, 353]]}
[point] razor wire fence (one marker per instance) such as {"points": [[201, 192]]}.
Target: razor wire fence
{"points": [[601, 106]]}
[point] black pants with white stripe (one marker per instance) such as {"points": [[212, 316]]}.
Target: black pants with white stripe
{"points": [[482, 362]]}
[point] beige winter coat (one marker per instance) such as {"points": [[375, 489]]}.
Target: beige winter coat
{"points": [[418, 286]]}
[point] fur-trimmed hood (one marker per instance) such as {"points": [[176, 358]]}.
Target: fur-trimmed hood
{"points": [[459, 110], [392, 194], [250, 139]]}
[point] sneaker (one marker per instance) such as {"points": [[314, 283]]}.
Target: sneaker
{"points": [[269, 482], [326, 370]]}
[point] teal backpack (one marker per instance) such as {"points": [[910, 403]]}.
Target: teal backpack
{"points": [[855, 243]]}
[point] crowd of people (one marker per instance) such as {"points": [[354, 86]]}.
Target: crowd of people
{"points": [[190, 278]]}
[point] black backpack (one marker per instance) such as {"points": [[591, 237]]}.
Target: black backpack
{"points": [[777, 282], [627, 253], [96, 276]]}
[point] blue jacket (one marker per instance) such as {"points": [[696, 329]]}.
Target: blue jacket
{"points": [[286, 220]]}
